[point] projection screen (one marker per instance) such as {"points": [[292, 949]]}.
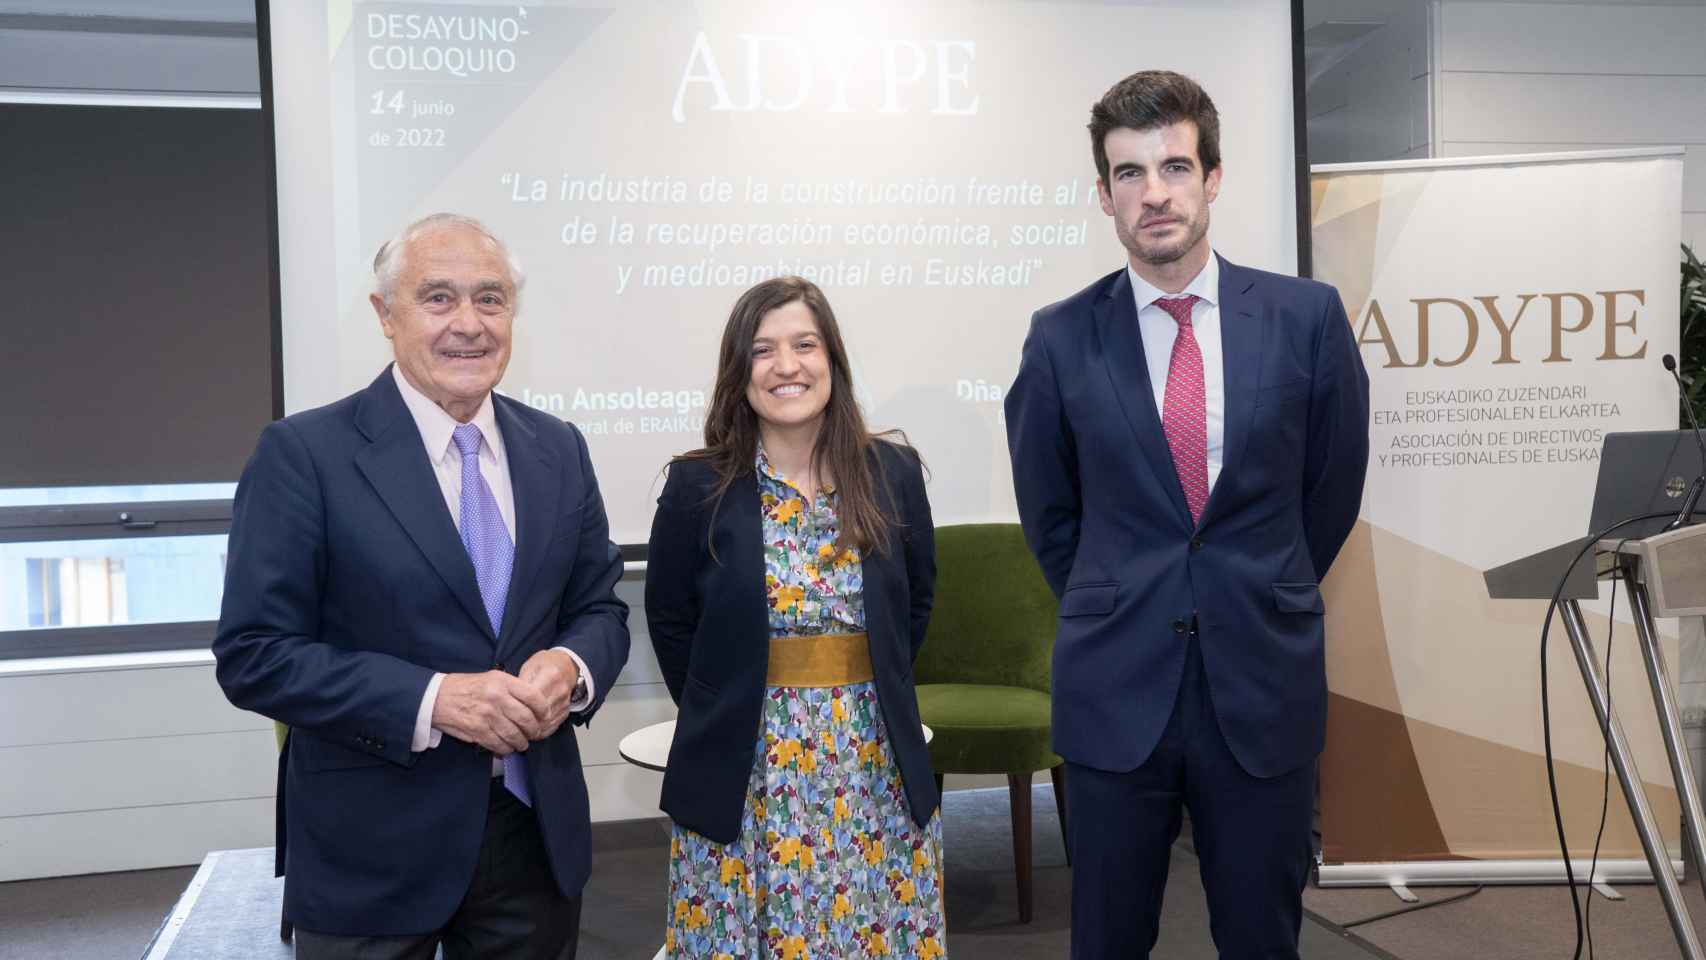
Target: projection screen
{"points": [[927, 164]]}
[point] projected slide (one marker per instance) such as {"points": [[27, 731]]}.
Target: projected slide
{"points": [[927, 164]]}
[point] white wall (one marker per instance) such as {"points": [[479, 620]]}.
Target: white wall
{"points": [[214, 11], [79, 61], [1544, 77], [126, 767], [199, 47], [1370, 101]]}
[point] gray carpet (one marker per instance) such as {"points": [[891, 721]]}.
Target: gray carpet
{"points": [[236, 915], [110, 915], [113, 916], [1511, 923]]}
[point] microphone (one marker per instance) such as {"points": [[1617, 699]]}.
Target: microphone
{"points": [[1670, 364], [1686, 515]]}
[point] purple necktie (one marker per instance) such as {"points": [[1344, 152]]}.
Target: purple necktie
{"points": [[489, 546]]}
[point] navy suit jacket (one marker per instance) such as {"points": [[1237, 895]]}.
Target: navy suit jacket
{"points": [[346, 588], [1104, 513], [709, 621]]}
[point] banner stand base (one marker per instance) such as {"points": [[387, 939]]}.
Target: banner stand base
{"points": [[1462, 873], [1605, 890]]}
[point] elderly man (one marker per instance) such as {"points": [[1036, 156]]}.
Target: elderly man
{"points": [[421, 585]]}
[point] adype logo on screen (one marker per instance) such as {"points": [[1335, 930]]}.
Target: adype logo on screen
{"points": [[840, 73]]}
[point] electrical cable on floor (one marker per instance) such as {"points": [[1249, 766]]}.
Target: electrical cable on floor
{"points": [[1401, 911]]}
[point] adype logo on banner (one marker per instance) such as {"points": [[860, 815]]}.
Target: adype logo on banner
{"points": [[1448, 331]]}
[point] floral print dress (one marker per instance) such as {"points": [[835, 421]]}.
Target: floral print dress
{"points": [[829, 864]]}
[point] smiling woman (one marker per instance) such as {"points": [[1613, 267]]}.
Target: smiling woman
{"points": [[823, 589]]}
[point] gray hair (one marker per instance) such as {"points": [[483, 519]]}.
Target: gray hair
{"points": [[388, 262]]}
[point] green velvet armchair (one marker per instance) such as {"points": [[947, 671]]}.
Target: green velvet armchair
{"points": [[983, 676]]}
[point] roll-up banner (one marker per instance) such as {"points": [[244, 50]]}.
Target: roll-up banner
{"points": [[1511, 312]]}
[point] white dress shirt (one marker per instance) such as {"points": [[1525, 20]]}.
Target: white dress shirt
{"points": [[1160, 330], [436, 428]]}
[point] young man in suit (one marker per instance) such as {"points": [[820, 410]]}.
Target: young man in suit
{"points": [[420, 584], [1189, 439]]}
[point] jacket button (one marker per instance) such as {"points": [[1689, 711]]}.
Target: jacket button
{"points": [[1180, 626], [1196, 543]]}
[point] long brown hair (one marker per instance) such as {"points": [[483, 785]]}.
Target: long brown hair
{"points": [[843, 444]]}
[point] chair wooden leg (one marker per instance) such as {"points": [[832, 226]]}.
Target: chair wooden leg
{"points": [[286, 929], [1058, 774], [1019, 796]]}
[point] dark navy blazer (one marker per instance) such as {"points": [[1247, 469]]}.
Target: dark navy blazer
{"points": [[346, 588], [1104, 513], [709, 621]]}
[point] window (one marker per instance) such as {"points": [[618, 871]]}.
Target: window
{"points": [[111, 569], [99, 583], [155, 262]]}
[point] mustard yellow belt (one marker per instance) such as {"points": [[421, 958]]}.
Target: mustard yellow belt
{"points": [[823, 661]]}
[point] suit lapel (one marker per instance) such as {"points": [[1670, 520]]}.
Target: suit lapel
{"points": [[1128, 374], [395, 463], [1241, 340], [533, 476]]}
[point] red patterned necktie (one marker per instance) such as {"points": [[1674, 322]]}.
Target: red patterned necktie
{"points": [[1184, 412]]}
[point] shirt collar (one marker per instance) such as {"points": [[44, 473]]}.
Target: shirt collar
{"points": [[1204, 286], [436, 426], [762, 464]]}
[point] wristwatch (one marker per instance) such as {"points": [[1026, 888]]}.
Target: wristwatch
{"points": [[583, 689]]}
